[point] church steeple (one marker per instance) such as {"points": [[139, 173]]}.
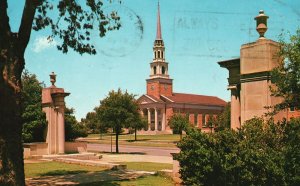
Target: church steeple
{"points": [[159, 67], [158, 30], [159, 82]]}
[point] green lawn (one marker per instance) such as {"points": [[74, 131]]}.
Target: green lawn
{"points": [[56, 168], [166, 140], [147, 166], [143, 181]]}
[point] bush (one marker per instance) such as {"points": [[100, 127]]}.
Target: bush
{"points": [[258, 154]]}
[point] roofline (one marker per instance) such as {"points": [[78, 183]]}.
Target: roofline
{"points": [[167, 98], [150, 98], [230, 63], [189, 103], [196, 95]]}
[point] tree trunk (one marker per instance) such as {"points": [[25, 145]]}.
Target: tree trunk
{"points": [[117, 140], [12, 49], [11, 148], [135, 134]]}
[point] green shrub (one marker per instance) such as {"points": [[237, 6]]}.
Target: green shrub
{"points": [[260, 153]]}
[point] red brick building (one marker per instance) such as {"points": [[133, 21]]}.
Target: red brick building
{"points": [[160, 102]]}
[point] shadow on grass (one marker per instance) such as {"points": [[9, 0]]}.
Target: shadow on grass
{"points": [[112, 182], [106, 178], [137, 153], [137, 140], [142, 180], [62, 172], [102, 183]]}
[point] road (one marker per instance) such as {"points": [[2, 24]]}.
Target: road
{"points": [[154, 151]]}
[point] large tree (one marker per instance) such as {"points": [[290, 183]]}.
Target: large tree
{"points": [[33, 117], [72, 24], [179, 123], [118, 110], [286, 76]]}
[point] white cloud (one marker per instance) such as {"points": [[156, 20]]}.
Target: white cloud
{"points": [[41, 43]]}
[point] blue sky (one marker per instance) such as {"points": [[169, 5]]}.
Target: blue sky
{"points": [[197, 34]]}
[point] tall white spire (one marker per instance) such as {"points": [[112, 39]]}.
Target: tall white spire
{"points": [[158, 31]]}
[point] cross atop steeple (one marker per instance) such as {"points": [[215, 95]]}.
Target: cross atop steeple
{"points": [[158, 31]]}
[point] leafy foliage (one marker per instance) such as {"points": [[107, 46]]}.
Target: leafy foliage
{"points": [[138, 123], [34, 119], [258, 154], [286, 76], [79, 18], [72, 22], [93, 123], [223, 120], [178, 123], [73, 129], [118, 110], [292, 152]]}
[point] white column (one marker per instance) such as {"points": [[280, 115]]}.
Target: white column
{"points": [[163, 126], [149, 119], [156, 120]]}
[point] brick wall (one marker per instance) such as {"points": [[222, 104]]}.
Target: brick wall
{"points": [[159, 88]]}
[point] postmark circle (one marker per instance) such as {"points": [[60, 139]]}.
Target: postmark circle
{"points": [[122, 42]]}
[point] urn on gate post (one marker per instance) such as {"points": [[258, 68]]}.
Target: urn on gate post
{"points": [[53, 102]]}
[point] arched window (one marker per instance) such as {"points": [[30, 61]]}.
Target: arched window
{"points": [[163, 70], [155, 55], [154, 69], [158, 54]]}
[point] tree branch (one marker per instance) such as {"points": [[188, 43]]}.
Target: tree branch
{"points": [[26, 22], [4, 24]]}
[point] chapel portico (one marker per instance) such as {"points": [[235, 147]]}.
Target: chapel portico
{"points": [[154, 112]]}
